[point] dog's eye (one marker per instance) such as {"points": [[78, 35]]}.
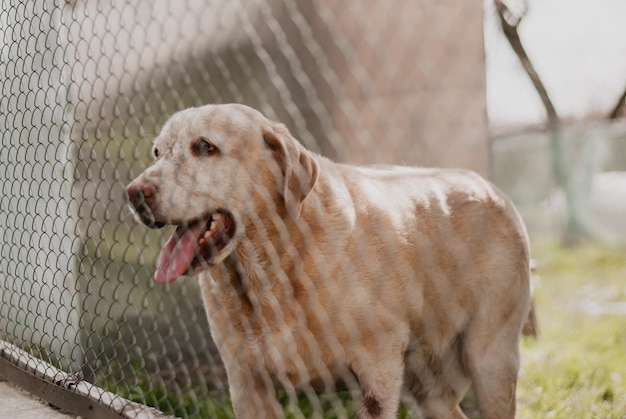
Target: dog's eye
{"points": [[156, 153], [202, 147]]}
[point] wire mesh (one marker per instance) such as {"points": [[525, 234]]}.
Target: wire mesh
{"points": [[86, 86]]}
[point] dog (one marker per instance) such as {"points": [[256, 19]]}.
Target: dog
{"points": [[408, 282]]}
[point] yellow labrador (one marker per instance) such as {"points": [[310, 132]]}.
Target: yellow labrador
{"points": [[407, 281]]}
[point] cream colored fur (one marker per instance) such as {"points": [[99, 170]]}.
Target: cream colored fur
{"points": [[407, 281]]}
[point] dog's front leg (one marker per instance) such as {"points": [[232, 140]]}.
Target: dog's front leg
{"points": [[253, 396], [381, 384]]}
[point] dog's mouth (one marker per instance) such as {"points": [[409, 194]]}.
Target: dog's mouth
{"points": [[194, 245]]}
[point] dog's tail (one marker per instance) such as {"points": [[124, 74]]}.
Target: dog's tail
{"points": [[531, 328]]}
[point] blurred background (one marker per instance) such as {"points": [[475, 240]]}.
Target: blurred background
{"points": [[575, 48], [530, 94]]}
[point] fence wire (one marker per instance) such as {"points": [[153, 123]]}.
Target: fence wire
{"points": [[87, 85]]}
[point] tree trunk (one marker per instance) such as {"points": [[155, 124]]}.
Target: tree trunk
{"points": [[576, 229]]}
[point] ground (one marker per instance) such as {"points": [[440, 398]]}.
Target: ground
{"points": [[577, 366]]}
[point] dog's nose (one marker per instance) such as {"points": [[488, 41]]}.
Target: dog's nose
{"points": [[141, 194]]}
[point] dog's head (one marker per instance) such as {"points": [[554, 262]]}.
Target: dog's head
{"points": [[215, 167]]}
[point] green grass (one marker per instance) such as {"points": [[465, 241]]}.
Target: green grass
{"points": [[577, 366], [196, 403]]}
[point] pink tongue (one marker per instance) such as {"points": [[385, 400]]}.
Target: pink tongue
{"points": [[177, 254]]}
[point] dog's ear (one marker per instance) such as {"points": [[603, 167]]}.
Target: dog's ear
{"points": [[299, 166]]}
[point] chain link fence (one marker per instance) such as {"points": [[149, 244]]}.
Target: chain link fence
{"points": [[87, 84]]}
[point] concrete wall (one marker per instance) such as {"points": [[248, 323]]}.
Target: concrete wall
{"points": [[38, 298], [360, 81]]}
